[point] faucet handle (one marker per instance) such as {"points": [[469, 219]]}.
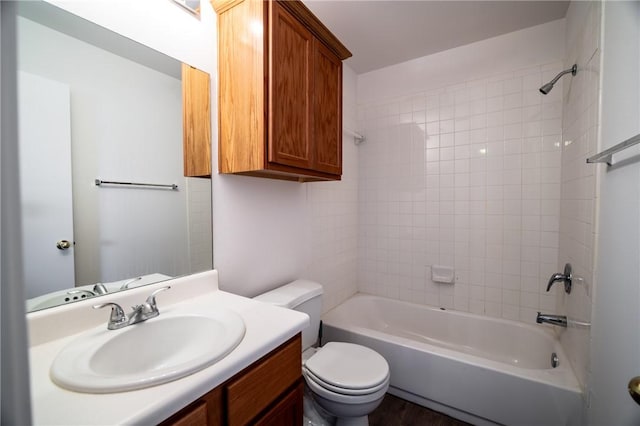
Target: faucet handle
{"points": [[118, 318], [127, 283], [151, 300], [553, 279], [566, 277]]}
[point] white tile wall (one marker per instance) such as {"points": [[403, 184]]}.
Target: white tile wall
{"points": [[578, 210], [200, 224], [467, 175]]}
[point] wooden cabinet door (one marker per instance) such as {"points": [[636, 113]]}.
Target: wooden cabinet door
{"points": [[327, 97], [287, 412], [196, 122], [290, 91]]}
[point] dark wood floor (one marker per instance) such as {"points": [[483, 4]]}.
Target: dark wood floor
{"points": [[397, 412]]}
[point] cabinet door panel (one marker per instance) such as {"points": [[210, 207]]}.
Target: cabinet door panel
{"points": [[327, 110], [196, 122], [290, 90], [287, 412]]}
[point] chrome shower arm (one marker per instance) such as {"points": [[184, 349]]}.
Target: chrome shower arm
{"points": [[573, 70]]}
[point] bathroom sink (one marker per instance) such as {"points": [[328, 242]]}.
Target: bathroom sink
{"points": [[147, 354]]}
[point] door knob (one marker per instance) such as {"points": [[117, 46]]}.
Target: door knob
{"points": [[63, 245], [634, 389]]}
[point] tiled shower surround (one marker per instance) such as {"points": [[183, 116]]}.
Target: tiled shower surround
{"points": [[468, 176]]}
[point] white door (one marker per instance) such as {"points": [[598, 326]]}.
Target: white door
{"points": [[44, 126]]}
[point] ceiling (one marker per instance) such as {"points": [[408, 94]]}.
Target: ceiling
{"points": [[383, 33]]}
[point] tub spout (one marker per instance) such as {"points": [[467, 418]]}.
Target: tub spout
{"points": [[559, 320]]}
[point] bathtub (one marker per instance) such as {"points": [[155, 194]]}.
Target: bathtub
{"points": [[478, 369]]}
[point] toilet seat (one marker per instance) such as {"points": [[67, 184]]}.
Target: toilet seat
{"points": [[348, 369], [343, 391], [340, 398]]}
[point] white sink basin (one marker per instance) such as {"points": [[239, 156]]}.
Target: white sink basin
{"points": [[150, 353]]}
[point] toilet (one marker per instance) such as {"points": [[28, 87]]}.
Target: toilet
{"points": [[346, 380]]}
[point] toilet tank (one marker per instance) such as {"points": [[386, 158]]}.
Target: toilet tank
{"points": [[303, 296]]}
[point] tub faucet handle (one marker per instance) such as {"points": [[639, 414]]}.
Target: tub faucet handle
{"points": [[564, 277]]}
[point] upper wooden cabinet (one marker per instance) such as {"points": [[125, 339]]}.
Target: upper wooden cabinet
{"points": [[280, 94], [196, 122]]}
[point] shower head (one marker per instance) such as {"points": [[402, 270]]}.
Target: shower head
{"points": [[547, 87]]}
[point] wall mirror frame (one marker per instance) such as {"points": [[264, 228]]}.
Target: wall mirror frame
{"points": [[115, 108]]}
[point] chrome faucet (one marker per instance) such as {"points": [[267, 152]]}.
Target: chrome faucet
{"points": [[559, 320], [565, 277], [126, 284], [118, 319], [82, 292], [100, 289]]}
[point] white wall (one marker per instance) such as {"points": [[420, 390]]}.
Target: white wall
{"points": [[462, 168], [14, 373], [160, 25], [578, 208], [615, 348]]}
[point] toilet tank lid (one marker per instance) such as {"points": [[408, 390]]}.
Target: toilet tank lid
{"points": [[292, 294]]}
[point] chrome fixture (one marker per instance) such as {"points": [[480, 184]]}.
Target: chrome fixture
{"points": [[126, 284], [606, 156], [565, 277], [559, 320], [147, 310], [100, 182], [100, 289], [547, 87], [82, 294], [357, 137], [555, 361]]}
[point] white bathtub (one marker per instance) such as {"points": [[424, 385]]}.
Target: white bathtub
{"points": [[478, 369]]}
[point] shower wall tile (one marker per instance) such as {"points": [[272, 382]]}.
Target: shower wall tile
{"points": [[580, 129], [466, 175]]}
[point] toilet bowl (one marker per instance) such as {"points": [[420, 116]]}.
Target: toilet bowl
{"points": [[346, 380]]}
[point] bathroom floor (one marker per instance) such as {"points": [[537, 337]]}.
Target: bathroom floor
{"points": [[397, 412]]}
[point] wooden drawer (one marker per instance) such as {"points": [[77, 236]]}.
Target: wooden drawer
{"points": [[262, 383]]}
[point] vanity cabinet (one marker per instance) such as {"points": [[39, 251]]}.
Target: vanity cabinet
{"points": [[196, 122], [268, 392], [280, 94]]}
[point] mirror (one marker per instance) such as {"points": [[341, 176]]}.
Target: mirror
{"points": [[95, 106], [192, 6]]}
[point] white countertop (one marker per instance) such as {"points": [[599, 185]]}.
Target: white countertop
{"points": [[267, 327]]}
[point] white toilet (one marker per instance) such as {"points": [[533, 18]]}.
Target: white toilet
{"points": [[348, 381]]}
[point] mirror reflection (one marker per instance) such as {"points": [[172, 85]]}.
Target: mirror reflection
{"points": [[94, 105]]}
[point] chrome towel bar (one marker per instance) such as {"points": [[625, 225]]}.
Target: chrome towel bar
{"points": [[606, 155], [154, 185]]}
